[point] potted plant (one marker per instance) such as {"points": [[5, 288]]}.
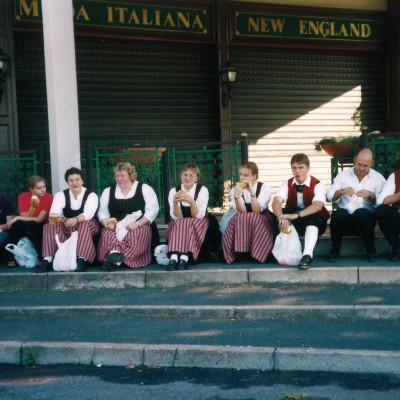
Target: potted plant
{"points": [[339, 146]]}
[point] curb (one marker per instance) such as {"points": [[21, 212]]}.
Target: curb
{"points": [[264, 358], [313, 312], [141, 279]]}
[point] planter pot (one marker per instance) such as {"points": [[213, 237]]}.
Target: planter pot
{"points": [[341, 150]]}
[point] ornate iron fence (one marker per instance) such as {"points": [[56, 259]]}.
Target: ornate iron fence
{"points": [[219, 166], [159, 166], [386, 148], [16, 167]]}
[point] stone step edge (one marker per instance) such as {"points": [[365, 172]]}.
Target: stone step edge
{"points": [[201, 356], [228, 312], [162, 279]]}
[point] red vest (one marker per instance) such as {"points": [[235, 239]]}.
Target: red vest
{"points": [[397, 183], [308, 194]]}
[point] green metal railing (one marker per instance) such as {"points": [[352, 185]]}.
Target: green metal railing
{"points": [[219, 167], [147, 161], [159, 167], [16, 168], [386, 149]]}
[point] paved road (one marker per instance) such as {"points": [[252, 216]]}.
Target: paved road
{"points": [[103, 383]]}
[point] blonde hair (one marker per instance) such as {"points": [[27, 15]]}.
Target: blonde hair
{"points": [[193, 167], [128, 168]]}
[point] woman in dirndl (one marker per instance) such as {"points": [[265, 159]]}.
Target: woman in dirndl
{"points": [[117, 203], [188, 209], [250, 230]]}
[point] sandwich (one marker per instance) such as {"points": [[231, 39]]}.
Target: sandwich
{"points": [[112, 221], [54, 217]]}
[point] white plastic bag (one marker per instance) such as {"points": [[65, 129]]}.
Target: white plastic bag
{"points": [[287, 248], [120, 229], [65, 258], [226, 218], [160, 253], [24, 253], [354, 204]]}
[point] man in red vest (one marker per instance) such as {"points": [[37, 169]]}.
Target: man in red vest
{"points": [[388, 211], [304, 196]]}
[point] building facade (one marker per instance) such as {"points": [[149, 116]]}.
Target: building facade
{"points": [[150, 72]]}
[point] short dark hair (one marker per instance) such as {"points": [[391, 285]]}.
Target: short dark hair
{"points": [[72, 171], [300, 158]]}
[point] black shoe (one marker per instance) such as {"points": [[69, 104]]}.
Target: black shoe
{"points": [[80, 265], [108, 266], [333, 256], [182, 264], [305, 262], [113, 260], [46, 266], [173, 265], [373, 256], [214, 256]]}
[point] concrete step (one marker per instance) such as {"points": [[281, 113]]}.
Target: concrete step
{"points": [[348, 271], [249, 316]]}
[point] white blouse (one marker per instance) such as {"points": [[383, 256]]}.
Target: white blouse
{"points": [[202, 201], [150, 198]]}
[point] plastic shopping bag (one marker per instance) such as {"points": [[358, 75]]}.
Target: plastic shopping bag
{"points": [[287, 248], [65, 258], [120, 229], [226, 218], [24, 253]]}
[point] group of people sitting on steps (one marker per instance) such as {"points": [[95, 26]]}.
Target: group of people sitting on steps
{"points": [[361, 195]]}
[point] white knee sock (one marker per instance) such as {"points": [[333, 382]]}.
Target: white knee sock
{"points": [[310, 240]]}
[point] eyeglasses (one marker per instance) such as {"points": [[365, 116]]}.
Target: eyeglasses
{"points": [[188, 176]]}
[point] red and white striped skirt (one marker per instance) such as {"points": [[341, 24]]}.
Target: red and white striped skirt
{"points": [[136, 246], [186, 235], [86, 231], [248, 232]]}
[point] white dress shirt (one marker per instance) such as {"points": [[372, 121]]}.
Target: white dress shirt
{"points": [[202, 201], [89, 210], [150, 198], [319, 192], [263, 198], [388, 190], [373, 182]]}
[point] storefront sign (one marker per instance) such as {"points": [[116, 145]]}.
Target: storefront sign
{"points": [[304, 27], [123, 15]]}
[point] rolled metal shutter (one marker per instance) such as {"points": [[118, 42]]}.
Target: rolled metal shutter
{"points": [[287, 99], [140, 91]]}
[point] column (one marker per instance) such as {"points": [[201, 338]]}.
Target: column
{"points": [[62, 94]]}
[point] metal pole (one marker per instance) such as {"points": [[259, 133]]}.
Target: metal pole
{"points": [[165, 165], [89, 166], [244, 147]]}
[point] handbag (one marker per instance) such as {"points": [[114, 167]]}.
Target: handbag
{"points": [[65, 257], [24, 252], [226, 218], [287, 248]]}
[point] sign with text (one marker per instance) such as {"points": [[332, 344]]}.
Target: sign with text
{"points": [[304, 27], [122, 15]]}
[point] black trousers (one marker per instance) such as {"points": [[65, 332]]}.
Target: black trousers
{"points": [[361, 223], [30, 229], [310, 220], [389, 221]]}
